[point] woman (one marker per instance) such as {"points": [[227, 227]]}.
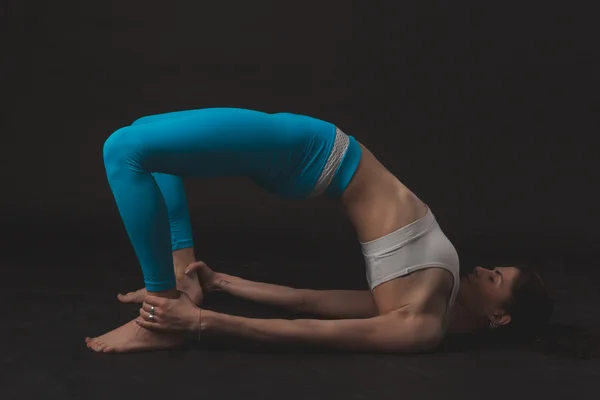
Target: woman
{"points": [[411, 266]]}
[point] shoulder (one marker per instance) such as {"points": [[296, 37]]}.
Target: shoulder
{"points": [[429, 319], [417, 332], [430, 331], [440, 284], [435, 289], [425, 313]]}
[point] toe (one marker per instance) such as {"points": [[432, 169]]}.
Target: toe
{"points": [[99, 346]]}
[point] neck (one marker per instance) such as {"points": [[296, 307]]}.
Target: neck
{"points": [[464, 321]]}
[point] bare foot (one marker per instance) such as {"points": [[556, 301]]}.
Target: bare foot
{"points": [[133, 297], [132, 338], [185, 283], [189, 284]]}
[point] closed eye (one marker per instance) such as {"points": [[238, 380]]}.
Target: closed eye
{"points": [[501, 277]]}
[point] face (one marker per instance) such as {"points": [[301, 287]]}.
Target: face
{"points": [[484, 291]]}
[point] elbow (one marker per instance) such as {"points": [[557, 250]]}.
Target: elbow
{"points": [[423, 335], [429, 341], [419, 345], [428, 344]]}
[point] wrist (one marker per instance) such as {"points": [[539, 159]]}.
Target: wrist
{"points": [[206, 320], [222, 281]]}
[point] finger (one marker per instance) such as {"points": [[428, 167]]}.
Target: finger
{"points": [[155, 300], [151, 326], [146, 316], [147, 307], [195, 266]]}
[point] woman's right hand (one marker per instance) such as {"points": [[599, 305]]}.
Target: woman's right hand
{"points": [[165, 314], [209, 279]]}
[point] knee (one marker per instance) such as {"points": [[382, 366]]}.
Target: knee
{"points": [[118, 148]]}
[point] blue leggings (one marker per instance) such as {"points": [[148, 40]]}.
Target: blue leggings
{"points": [[147, 161]]}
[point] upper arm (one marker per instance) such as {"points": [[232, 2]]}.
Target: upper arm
{"points": [[406, 334], [393, 332]]}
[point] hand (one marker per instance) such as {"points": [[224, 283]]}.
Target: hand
{"points": [[179, 314], [209, 279]]}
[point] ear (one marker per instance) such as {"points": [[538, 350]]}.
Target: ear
{"points": [[499, 319]]}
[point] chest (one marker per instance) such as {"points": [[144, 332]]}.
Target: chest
{"points": [[421, 291]]}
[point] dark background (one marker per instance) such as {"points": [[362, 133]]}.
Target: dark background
{"points": [[484, 109]]}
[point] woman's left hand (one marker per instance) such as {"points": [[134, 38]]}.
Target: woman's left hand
{"points": [[179, 314]]}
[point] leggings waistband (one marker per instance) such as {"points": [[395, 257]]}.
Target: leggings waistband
{"points": [[338, 151]]}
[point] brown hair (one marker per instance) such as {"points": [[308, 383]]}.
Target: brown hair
{"points": [[531, 307]]}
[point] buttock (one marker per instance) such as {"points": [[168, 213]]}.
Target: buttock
{"points": [[314, 157]]}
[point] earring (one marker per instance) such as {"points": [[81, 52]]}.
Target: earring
{"points": [[492, 326]]}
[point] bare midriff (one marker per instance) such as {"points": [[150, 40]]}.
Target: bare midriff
{"points": [[377, 204]]}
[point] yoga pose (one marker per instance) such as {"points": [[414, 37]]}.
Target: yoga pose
{"points": [[415, 295]]}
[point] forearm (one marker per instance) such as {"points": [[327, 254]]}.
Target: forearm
{"points": [[375, 334], [323, 303], [260, 292]]}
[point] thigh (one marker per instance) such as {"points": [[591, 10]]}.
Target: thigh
{"points": [[165, 116], [207, 143]]}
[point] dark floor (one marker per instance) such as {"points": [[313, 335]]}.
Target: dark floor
{"points": [[65, 290]]}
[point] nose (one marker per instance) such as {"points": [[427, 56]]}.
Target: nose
{"points": [[479, 270]]}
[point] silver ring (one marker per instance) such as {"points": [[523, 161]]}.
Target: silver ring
{"points": [[151, 317], [152, 310]]}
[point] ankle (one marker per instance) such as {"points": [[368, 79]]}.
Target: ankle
{"points": [[182, 259], [180, 274]]}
